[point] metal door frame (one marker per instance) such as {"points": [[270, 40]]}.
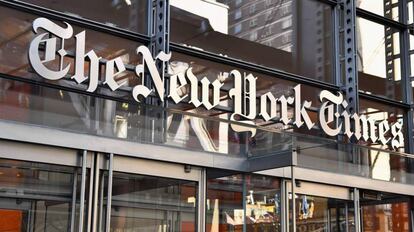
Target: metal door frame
{"points": [[35, 153], [317, 190], [131, 165]]}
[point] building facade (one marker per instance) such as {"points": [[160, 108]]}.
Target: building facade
{"points": [[206, 115]]}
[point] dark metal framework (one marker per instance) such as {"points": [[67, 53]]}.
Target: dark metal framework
{"points": [[344, 11], [391, 26]]}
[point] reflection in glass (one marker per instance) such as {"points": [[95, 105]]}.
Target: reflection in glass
{"points": [[385, 8], [265, 83], [379, 112], [293, 36], [16, 34], [371, 160], [126, 14], [323, 214], [37, 197], [412, 61], [379, 61], [238, 201], [355, 160], [384, 212], [145, 203]]}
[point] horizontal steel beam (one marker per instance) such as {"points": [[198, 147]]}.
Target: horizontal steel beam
{"points": [[79, 21]]}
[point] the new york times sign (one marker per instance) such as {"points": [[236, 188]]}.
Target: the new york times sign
{"points": [[332, 117]]}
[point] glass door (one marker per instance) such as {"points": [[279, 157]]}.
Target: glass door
{"points": [[384, 212], [150, 196], [41, 188], [321, 208]]}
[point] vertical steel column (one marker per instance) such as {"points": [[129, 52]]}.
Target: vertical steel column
{"points": [[202, 188], [337, 47], [389, 52], [346, 217], [73, 206], [284, 210], [328, 219], [412, 214], [162, 28], [406, 79], [412, 220], [156, 122], [101, 205], [293, 188], [82, 191], [407, 93], [357, 211], [96, 194], [244, 202], [293, 185], [91, 190], [351, 75], [319, 42], [109, 196]]}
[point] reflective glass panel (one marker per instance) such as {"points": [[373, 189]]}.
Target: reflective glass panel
{"points": [[385, 8], [378, 59], [384, 212], [242, 201], [379, 112], [264, 83], [315, 213], [16, 35], [263, 202], [126, 14], [293, 36], [38, 197], [146, 203]]}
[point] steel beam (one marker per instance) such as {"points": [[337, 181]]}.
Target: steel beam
{"points": [[406, 80], [109, 195], [350, 86], [82, 192]]}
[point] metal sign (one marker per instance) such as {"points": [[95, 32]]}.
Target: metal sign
{"points": [[332, 116]]}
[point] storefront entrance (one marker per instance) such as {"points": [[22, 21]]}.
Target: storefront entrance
{"points": [[152, 196], [43, 188], [322, 208], [74, 192]]}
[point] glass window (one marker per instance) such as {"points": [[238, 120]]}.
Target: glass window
{"points": [[64, 110], [385, 8], [16, 35], [293, 36], [412, 63], [238, 14], [384, 212], [323, 214], [252, 8], [378, 59], [227, 212], [147, 203], [237, 28], [126, 14], [37, 197], [265, 83], [379, 112]]}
